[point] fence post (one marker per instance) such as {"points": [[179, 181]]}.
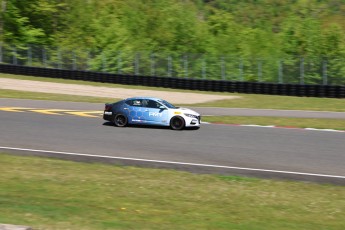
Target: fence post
{"points": [[59, 59], [241, 70], [259, 70], [88, 58], [222, 68], [324, 72], [1, 52], [136, 63], [119, 63], [302, 71], [185, 61], [153, 64], [44, 57], [14, 52], [280, 72], [104, 61], [203, 70], [74, 56], [169, 66], [29, 56]]}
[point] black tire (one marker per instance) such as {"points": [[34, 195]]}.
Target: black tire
{"points": [[120, 120], [177, 123]]}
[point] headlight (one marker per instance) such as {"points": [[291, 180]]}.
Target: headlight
{"points": [[190, 115]]}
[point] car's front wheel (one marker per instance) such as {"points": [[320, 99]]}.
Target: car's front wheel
{"points": [[177, 123], [120, 120]]}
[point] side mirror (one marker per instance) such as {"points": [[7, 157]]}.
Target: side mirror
{"points": [[162, 107]]}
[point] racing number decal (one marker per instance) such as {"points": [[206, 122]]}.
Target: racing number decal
{"points": [[155, 114]]}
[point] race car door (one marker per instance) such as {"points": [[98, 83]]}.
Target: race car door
{"points": [[155, 113], [135, 111]]}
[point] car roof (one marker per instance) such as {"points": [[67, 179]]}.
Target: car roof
{"points": [[147, 98]]}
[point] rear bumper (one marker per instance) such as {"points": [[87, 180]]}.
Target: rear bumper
{"points": [[108, 116]]}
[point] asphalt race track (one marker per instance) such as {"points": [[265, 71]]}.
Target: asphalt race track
{"points": [[222, 149]]}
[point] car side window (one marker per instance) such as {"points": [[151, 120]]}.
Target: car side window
{"points": [[135, 102], [153, 104]]}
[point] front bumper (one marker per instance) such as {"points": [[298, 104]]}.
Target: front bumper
{"points": [[192, 122]]}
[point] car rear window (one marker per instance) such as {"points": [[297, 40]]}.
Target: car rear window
{"points": [[134, 102]]}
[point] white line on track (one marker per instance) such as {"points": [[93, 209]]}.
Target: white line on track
{"points": [[278, 127], [173, 162], [283, 110]]}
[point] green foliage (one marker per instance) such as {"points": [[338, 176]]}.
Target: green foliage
{"points": [[260, 31], [31, 21], [245, 28]]}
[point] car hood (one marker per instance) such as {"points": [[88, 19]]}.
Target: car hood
{"points": [[186, 110]]}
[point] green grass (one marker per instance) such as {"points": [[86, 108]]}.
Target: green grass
{"points": [[338, 124], [6, 93], [280, 102], [54, 194], [245, 100]]}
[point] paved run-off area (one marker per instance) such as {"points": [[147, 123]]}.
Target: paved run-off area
{"points": [[99, 91]]}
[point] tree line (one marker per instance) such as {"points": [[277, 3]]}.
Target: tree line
{"points": [[249, 30]]}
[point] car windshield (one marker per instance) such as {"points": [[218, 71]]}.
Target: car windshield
{"points": [[167, 104]]}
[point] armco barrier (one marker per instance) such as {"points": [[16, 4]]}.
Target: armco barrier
{"points": [[182, 83]]}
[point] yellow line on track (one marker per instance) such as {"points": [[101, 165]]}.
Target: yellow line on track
{"points": [[49, 111], [86, 113], [59, 112], [14, 109]]}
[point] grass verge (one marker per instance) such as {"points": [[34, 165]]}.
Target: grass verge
{"points": [[6, 93], [55, 194], [257, 101], [245, 101], [338, 124]]}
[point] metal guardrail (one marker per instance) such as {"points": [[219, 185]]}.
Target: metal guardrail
{"points": [[328, 91]]}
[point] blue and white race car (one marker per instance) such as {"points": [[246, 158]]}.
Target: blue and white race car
{"points": [[150, 111]]}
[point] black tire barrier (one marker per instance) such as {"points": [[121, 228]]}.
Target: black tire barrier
{"points": [[282, 89], [330, 91], [342, 92], [266, 88], [258, 88], [292, 90]]}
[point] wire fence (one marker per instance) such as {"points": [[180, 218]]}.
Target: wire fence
{"points": [[288, 70]]}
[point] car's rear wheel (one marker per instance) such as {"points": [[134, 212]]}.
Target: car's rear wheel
{"points": [[120, 120], [177, 123]]}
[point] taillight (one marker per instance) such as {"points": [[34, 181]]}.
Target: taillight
{"points": [[107, 107]]}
